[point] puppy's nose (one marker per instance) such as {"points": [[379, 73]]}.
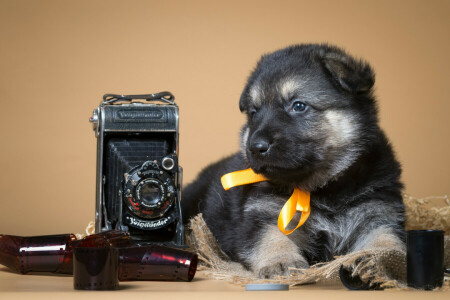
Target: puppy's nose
{"points": [[259, 147]]}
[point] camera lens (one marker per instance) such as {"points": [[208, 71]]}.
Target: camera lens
{"points": [[150, 193]]}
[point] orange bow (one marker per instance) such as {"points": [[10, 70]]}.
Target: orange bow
{"points": [[299, 200]]}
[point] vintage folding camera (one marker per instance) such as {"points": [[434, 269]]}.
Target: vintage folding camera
{"points": [[138, 176]]}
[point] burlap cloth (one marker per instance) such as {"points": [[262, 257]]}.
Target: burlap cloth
{"points": [[386, 267]]}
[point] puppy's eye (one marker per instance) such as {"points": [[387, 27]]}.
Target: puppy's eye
{"points": [[252, 113], [298, 106]]}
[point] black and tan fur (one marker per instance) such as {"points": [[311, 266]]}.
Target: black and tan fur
{"points": [[312, 124]]}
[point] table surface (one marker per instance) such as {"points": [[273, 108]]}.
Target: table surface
{"points": [[17, 286]]}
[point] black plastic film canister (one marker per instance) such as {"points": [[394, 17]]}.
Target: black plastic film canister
{"points": [[425, 259], [95, 268]]}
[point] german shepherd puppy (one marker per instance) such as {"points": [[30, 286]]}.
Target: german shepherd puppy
{"points": [[312, 124]]}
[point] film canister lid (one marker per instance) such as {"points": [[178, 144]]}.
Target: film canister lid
{"points": [[95, 268], [266, 287]]}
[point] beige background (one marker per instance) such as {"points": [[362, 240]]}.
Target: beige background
{"points": [[57, 59]]}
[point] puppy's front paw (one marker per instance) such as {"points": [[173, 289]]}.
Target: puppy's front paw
{"points": [[274, 254], [281, 268]]}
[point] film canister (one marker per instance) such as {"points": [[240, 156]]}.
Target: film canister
{"points": [[425, 259], [95, 268]]}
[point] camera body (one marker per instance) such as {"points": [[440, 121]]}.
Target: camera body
{"points": [[138, 177]]}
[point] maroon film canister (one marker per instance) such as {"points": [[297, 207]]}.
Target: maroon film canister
{"points": [[95, 268]]}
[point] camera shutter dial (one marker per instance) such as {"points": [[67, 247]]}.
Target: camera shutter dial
{"points": [[168, 163]]}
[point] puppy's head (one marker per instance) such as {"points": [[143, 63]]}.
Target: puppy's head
{"points": [[310, 110]]}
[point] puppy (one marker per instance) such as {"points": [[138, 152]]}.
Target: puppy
{"points": [[312, 124]]}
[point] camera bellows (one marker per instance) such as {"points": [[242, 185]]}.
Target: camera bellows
{"points": [[48, 253], [122, 156]]}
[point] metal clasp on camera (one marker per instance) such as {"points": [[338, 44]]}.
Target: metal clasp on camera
{"points": [[165, 97]]}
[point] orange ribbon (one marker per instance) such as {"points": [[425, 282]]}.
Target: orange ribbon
{"points": [[299, 200]]}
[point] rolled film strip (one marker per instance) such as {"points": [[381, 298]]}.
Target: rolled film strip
{"points": [[93, 259], [155, 262]]}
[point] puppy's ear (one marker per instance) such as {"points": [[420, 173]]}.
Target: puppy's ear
{"points": [[243, 101], [355, 76]]}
